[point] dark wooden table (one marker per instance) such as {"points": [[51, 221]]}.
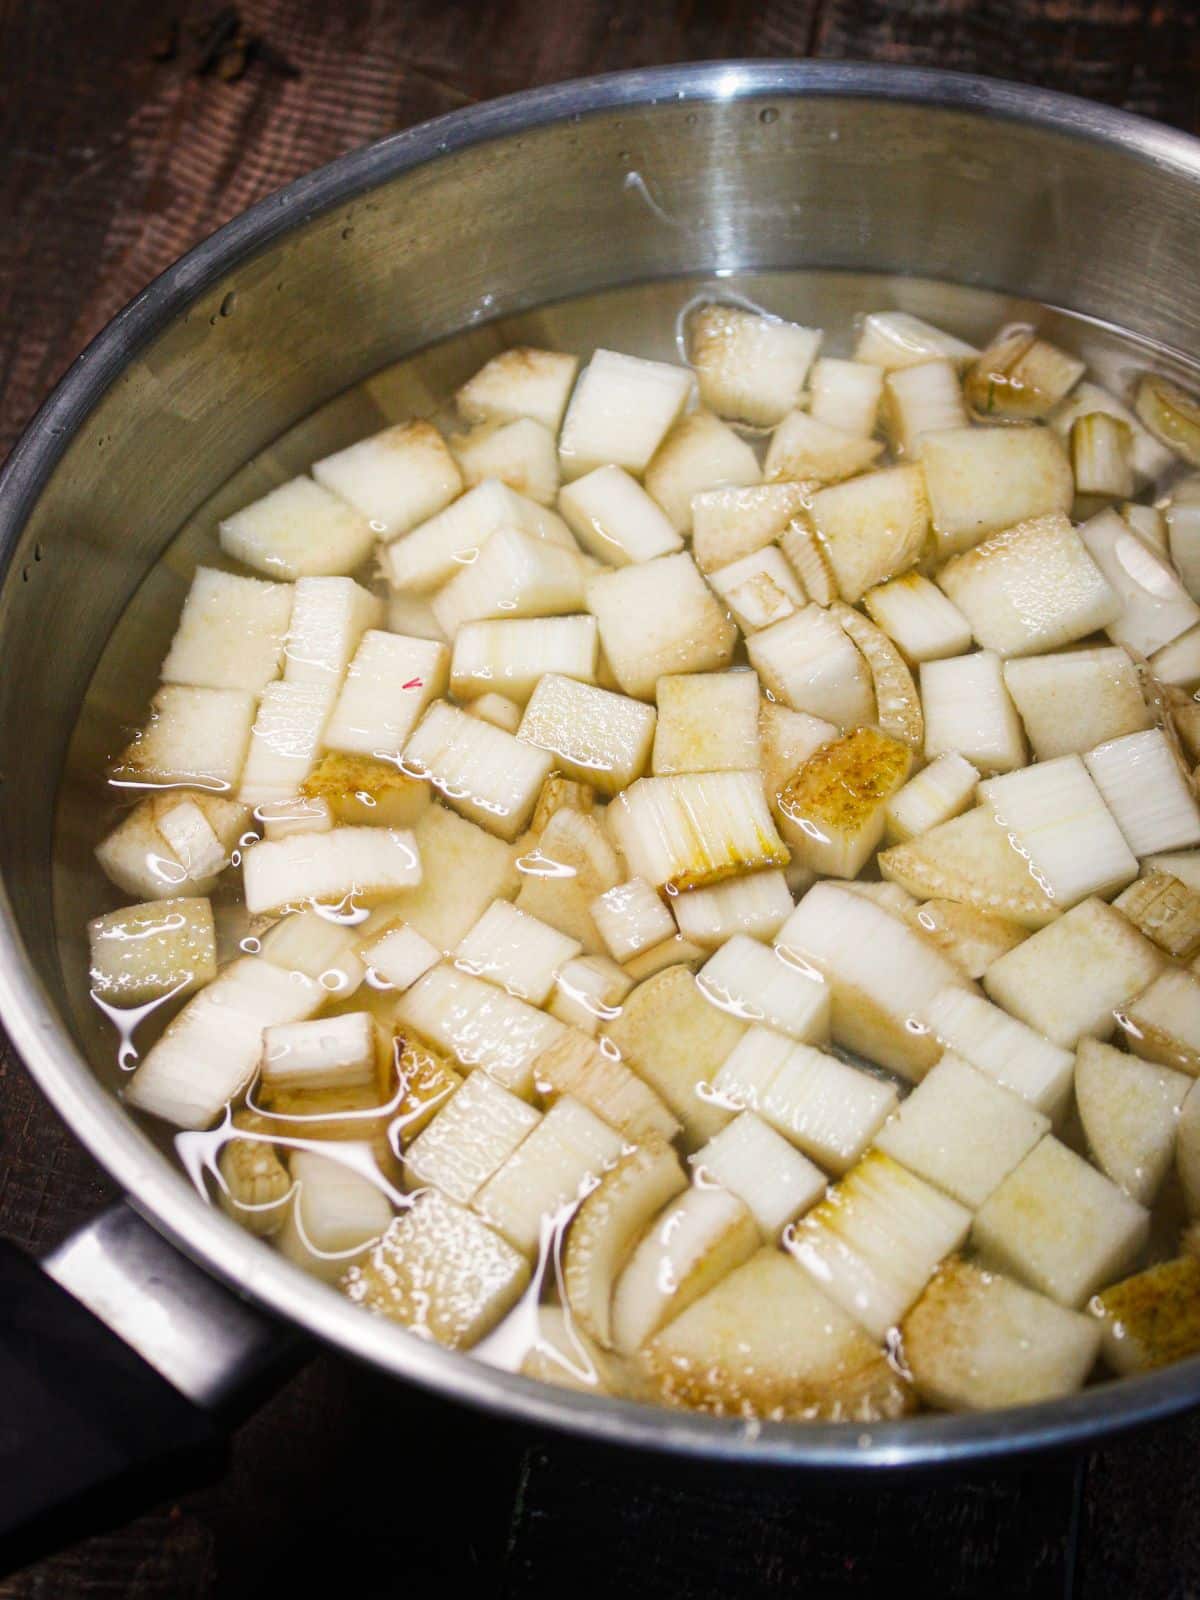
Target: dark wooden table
{"points": [[128, 130]]}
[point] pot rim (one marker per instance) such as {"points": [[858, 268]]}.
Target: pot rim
{"points": [[161, 1193]]}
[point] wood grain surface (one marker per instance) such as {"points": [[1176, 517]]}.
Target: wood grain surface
{"points": [[129, 129]]}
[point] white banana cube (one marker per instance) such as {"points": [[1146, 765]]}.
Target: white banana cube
{"points": [[595, 736], [231, 632], [521, 382], [698, 454], [1070, 703], [192, 736], [707, 722], [809, 663], [1070, 979], [329, 617], [480, 1025], [299, 530], [439, 549], [918, 618], [508, 657], [620, 412], [469, 1139], [396, 478], [696, 828], [514, 950], [490, 776], [757, 905], [759, 1166], [285, 741], [464, 870], [981, 480], [968, 712], [1144, 788], [749, 366], [1130, 1112], [336, 868], [521, 453], [1059, 1225], [146, 952], [728, 524], [515, 575], [872, 528], [656, 618]]}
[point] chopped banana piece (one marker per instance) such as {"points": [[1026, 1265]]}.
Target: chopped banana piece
{"points": [[230, 634], [192, 736], [479, 1025], [676, 1041], [516, 951], [968, 712], [833, 807], [808, 558], [759, 589], [899, 706], [846, 394], [361, 791], [516, 574], [698, 454], [872, 528], [729, 524], [757, 905], [825, 1108], [972, 939], [1057, 818], [976, 1341], [620, 412], [593, 1074], [335, 1215], [753, 1162], [918, 618], [936, 1131], [571, 863], [464, 870], [1163, 1022], [397, 478], [944, 789], [345, 864], [144, 953], [607, 1227], [598, 737], [1172, 416], [696, 828], [809, 662], [588, 992], [1129, 1110], [1152, 1319], [707, 722], [1070, 978], [1178, 664], [1006, 1050], [615, 520], [786, 740], [255, 1186], [1102, 456], [892, 339], [970, 859], [1059, 1225], [1021, 376], [297, 815], [520, 382], [470, 1139], [880, 971], [1072, 702], [510, 656], [1142, 784], [431, 555], [921, 399], [803, 450], [399, 956], [321, 949], [1155, 607], [570, 1148], [210, 1050], [1150, 458], [631, 918], [983, 480], [424, 1083], [760, 985], [284, 741], [559, 794], [749, 366], [298, 530], [689, 1248], [766, 1343], [490, 776], [390, 682], [441, 1272], [521, 453], [1031, 588], [657, 618], [323, 1053], [1166, 911], [874, 1242]]}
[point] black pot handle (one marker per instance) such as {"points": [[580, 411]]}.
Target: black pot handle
{"points": [[122, 1369]]}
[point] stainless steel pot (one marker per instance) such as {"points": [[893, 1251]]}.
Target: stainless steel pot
{"points": [[488, 211]]}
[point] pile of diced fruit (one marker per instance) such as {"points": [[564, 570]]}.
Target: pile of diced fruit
{"points": [[724, 899]]}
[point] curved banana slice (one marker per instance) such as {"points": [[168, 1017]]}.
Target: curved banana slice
{"points": [[896, 696], [609, 1224]]}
